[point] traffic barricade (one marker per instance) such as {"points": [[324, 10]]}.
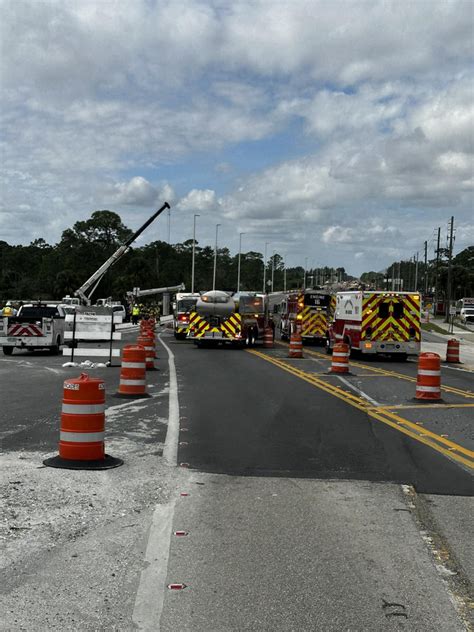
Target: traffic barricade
{"points": [[296, 346], [133, 373], [452, 351], [147, 343], [268, 338], [340, 358], [428, 382], [82, 429]]}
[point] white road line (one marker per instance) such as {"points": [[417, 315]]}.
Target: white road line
{"points": [[170, 451], [359, 391], [151, 589]]}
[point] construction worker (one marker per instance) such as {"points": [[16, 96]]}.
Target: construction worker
{"points": [[7, 311], [135, 314]]}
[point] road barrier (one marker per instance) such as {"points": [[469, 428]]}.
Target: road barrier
{"points": [[82, 429], [296, 346], [268, 338], [452, 351], [147, 343], [95, 323], [428, 383], [133, 373], [340, 358]]}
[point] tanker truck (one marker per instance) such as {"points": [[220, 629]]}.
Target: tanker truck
{"points": [[222, 318]]}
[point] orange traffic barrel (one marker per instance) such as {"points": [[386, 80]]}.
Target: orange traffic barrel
{"points": [[296, 346], [428, 383], [147, 343], [340, 358], [82, 430], [268, 338], [452, 352], [150, 333], [133, 373]]}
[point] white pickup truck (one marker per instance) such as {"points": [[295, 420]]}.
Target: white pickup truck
{"points": [[36, 326]]}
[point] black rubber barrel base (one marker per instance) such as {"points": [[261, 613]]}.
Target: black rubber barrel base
{"points": [[131, 395], [426, 401], [153, 369], [106, 463]]}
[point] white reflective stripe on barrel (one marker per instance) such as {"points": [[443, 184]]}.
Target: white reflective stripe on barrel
{"points": [[83, 409], [427, 372], [133, 365], [133, 382], [338, 364], [427, 389], [339, 355], [81, 437]]}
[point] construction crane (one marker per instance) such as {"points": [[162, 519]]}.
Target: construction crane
{"points": [[88, 288]]}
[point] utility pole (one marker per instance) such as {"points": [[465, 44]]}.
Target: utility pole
{"points": [[194, 252], [450, 257], [304, 276], [169, 225], [426, 268], [265, 268], [215, 262], [273, 268], [284, 278], [436, 273], [416, 272], [238, 267]]}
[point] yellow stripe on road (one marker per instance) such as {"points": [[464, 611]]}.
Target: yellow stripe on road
{"points": [[436, 442]]}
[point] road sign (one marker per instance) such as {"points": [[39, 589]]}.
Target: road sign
{"points": [[452, 310]]}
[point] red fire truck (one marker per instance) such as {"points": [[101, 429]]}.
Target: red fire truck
{"points": [[308, 311], [372, 322]]}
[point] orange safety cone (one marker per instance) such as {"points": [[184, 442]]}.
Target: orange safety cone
{"points": [[296, 346], [133, 373], [268, 338], [81, 435], [147, 343], [452, 351], [340, 358], [428, 382]]}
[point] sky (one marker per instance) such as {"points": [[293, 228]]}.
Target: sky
{"points": [[338, 133]]}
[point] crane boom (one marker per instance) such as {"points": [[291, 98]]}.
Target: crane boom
{"points": [[94, 280]]}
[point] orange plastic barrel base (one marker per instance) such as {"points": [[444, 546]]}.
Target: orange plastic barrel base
{"points": [[106, 463]]}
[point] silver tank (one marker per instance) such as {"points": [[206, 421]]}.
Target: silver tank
{"points": [[215, 303]]}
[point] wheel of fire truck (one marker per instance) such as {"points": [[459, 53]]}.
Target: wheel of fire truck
{"points": [[7, 350], [179, 336]]}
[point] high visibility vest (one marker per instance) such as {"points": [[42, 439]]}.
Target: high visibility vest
{"points": [[135, 311]]}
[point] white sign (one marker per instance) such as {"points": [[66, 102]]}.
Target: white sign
{"points": [[452, 310]]}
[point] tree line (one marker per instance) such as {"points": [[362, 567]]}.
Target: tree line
{"points": [[50, 272]]}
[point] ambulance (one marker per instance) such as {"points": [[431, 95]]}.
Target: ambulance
{"points": [[377, 322]]}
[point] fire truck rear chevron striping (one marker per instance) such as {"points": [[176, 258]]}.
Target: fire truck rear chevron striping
{"points": [[308, 311], [377, 322]]}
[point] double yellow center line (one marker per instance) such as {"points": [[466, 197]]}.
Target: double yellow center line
{"points": [[436, 442]]}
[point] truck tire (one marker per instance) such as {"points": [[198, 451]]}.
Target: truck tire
{"points": [[7, 350], [54, 350]]}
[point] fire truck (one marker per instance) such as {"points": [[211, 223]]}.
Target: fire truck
{"points": [[308, 311], [222, 318], [183, 306], [375, 322]]}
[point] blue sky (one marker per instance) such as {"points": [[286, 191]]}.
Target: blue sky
{"points": [[338, 132]]}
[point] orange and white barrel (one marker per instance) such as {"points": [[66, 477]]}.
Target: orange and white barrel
{"points": [[452, 351], [428, 382], [268, 338], [147, 343], [296, 346], [82, 429], [133, 373], [340, 358]]}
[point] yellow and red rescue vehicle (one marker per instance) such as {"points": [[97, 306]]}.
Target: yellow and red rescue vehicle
{"points": [[222, 318], [183, 307], [377, 322], [307, 311]]}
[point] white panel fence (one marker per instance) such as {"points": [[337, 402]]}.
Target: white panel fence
{"points": [[83, 327]]}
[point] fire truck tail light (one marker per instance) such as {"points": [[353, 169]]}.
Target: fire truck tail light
{"points": [[299, 317], [368, 345]]}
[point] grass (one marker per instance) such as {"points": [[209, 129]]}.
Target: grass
{"points": [[435, 328]]}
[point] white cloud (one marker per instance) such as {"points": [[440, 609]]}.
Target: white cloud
{"points": [[197, 200]]}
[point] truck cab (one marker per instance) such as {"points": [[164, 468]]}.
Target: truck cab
{"points": [[184, 304]]}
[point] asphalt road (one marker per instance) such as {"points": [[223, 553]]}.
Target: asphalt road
{"points": [[312, 503]]}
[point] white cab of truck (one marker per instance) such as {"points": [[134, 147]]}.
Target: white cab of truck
{"points": [[36, 326]]}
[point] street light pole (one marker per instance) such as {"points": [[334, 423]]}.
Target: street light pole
{"points": [[273, 268], [304, 277], [265, 267], [215, 262], [238, 267], [194, 249]]}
